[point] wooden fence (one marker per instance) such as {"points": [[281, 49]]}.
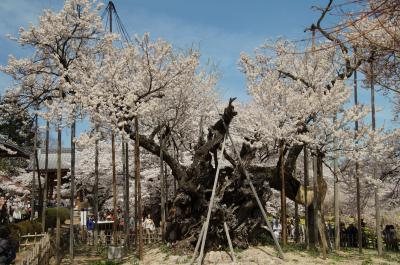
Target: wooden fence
{"points": [[38, 250]]}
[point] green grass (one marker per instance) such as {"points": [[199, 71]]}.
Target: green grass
{"points": [[367, 261], [135, 261], [238, 250]]}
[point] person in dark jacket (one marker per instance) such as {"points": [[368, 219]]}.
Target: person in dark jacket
{"points": [[90, 229], [7, 249], [3, 211]]}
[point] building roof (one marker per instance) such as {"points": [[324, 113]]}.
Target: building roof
{"points": [[52, 160], [10, 149]]}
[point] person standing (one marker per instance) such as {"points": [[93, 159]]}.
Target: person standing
{"points": [[7, 246], [149, 227], [90, 229], [3, 211], [277, 228]]}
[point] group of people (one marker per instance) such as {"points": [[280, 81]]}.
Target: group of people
{"points": [[348, 234], [107, 218], [390, 237], [8, 247], [291, 229], [16, 209]]}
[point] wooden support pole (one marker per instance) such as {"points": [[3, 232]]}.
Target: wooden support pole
{"points": [[139, 192], [34, 155], [114, 186], [46, 166], [72, 195], [306, 183], [228, 237], [210, 206], [58, 220], [123, 169], [162, 188], [283, 193], [296, 214], [357, 177], [199, 240], [315, 201], [376, 190], [280, 252], [96, 186], [126, 197], [320, 216], [336, 193]]}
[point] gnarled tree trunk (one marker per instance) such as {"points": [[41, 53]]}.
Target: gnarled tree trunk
{"points": [[235, 203]]}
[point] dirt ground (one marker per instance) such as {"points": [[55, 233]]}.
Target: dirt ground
{"points": [[265, 255]]}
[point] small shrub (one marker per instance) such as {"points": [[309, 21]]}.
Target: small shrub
{"points": [[26, 227], [51, 216]]}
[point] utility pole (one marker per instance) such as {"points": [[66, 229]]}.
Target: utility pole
{"points": [[138, 185], [357, 177], [377, 202], [283, 194], [46, 169]]}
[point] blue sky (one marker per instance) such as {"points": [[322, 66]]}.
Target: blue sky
{"points": [[221, 29]]}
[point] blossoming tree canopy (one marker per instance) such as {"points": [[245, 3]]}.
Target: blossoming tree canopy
{"points": [[61, 42], [294, 99]]}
